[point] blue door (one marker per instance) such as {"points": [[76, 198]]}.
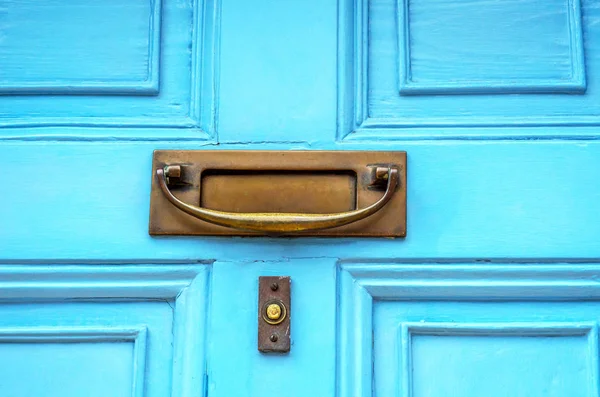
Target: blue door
{"points": [[494, 292]]}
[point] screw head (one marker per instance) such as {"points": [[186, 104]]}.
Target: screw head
{"points": [[274, 286], [273, 338]]}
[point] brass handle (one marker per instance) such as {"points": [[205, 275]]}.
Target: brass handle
{"points": [[280, 222]]}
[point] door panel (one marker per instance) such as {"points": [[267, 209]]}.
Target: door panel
{"points": [[464, 329], [413, 69], [115, 65], [541, 358], [513, 47], [74, 360], [98, 330], [81, 34]]}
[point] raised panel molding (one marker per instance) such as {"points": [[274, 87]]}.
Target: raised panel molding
{"points": [[135, 335], [188, 285], [572, 83], [356, 123], [148, 85], [407, 331], [360, 285], [187, 113]]}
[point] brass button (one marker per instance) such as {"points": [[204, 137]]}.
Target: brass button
{"points": [[274, 312]]}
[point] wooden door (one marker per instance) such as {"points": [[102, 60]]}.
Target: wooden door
{"points": [[493, 292]]}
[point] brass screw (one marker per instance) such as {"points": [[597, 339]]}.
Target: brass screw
{"points": [[273, 311], [273, 338]]}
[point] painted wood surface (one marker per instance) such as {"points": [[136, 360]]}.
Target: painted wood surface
{"points": [[91, 355], [58, 47], [120, 330], [462, 329], [485, 200], [236, 367], [493, 292], [490, 47], [150, 68], [395, 54]]}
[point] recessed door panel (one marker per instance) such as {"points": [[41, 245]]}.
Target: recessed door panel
{"points": [[103, 330], [111, 65], [441, 69], [468, 330]]}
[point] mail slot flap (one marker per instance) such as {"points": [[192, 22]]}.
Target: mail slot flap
{"points": [[278, 188], [278, 191]]}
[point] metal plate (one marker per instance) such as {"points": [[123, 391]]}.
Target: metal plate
{"points": [[278, 181], [274, 334]]}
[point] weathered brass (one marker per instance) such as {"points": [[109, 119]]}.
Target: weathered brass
{"points": [[274, 311], [289, 192]]}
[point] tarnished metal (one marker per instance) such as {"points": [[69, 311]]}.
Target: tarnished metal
{"points": [[277, 222], [379, 177], [303, 193], [274, 314], [274, 311]]}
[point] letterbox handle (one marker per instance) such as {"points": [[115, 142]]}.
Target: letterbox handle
{"points": [[275, 223]]}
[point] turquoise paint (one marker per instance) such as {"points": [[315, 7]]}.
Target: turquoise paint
{"points": [[309, 368], [466, 329], [479, 200], [551, 59], [432, 51], [157, 314], [67, 36], [157, 84], [492, 293], [94, 354]]}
